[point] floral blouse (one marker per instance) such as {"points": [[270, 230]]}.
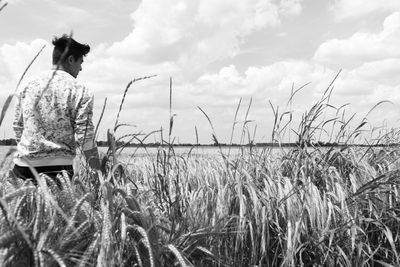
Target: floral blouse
{"points": [[53, 116]]}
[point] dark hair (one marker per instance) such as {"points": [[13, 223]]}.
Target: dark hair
{"points": [[65, 46]]}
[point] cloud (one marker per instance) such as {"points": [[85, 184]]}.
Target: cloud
{"points": [[147, 103], [196, 43], [370, 63], [76, 15], [352, 9], [361, 83], [290, 7], [380, 72], [362, 46], [361, 87], [268, 82], [179, 39], [196, 33], [15, 58]]}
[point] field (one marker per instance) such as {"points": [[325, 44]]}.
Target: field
{"points": [[305, 206]]}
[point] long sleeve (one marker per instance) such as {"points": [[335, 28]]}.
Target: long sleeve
{"points": [[84, 129], [18, 123], [51, 119]]}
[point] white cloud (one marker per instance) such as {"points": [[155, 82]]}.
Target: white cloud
{"points": [[176, 38], [290, 7], [15, 58], [76, 15], [363, 83], [196, 33], [370, 63], [362, 46], [268, 82], [381, 72], [360, 87], [344, 9], [218, 94], [182, 38]]}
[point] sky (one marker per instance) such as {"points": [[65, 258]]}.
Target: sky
{"points": [[229, 61]]}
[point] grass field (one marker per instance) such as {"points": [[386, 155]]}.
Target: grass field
{"points": [[328, 207], [304, 206]]}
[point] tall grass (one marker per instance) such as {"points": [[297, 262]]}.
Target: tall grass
{"points": [[328, 207], [304, 206]]}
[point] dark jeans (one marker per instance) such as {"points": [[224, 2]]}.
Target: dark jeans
{"points": [[52, 171]]}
